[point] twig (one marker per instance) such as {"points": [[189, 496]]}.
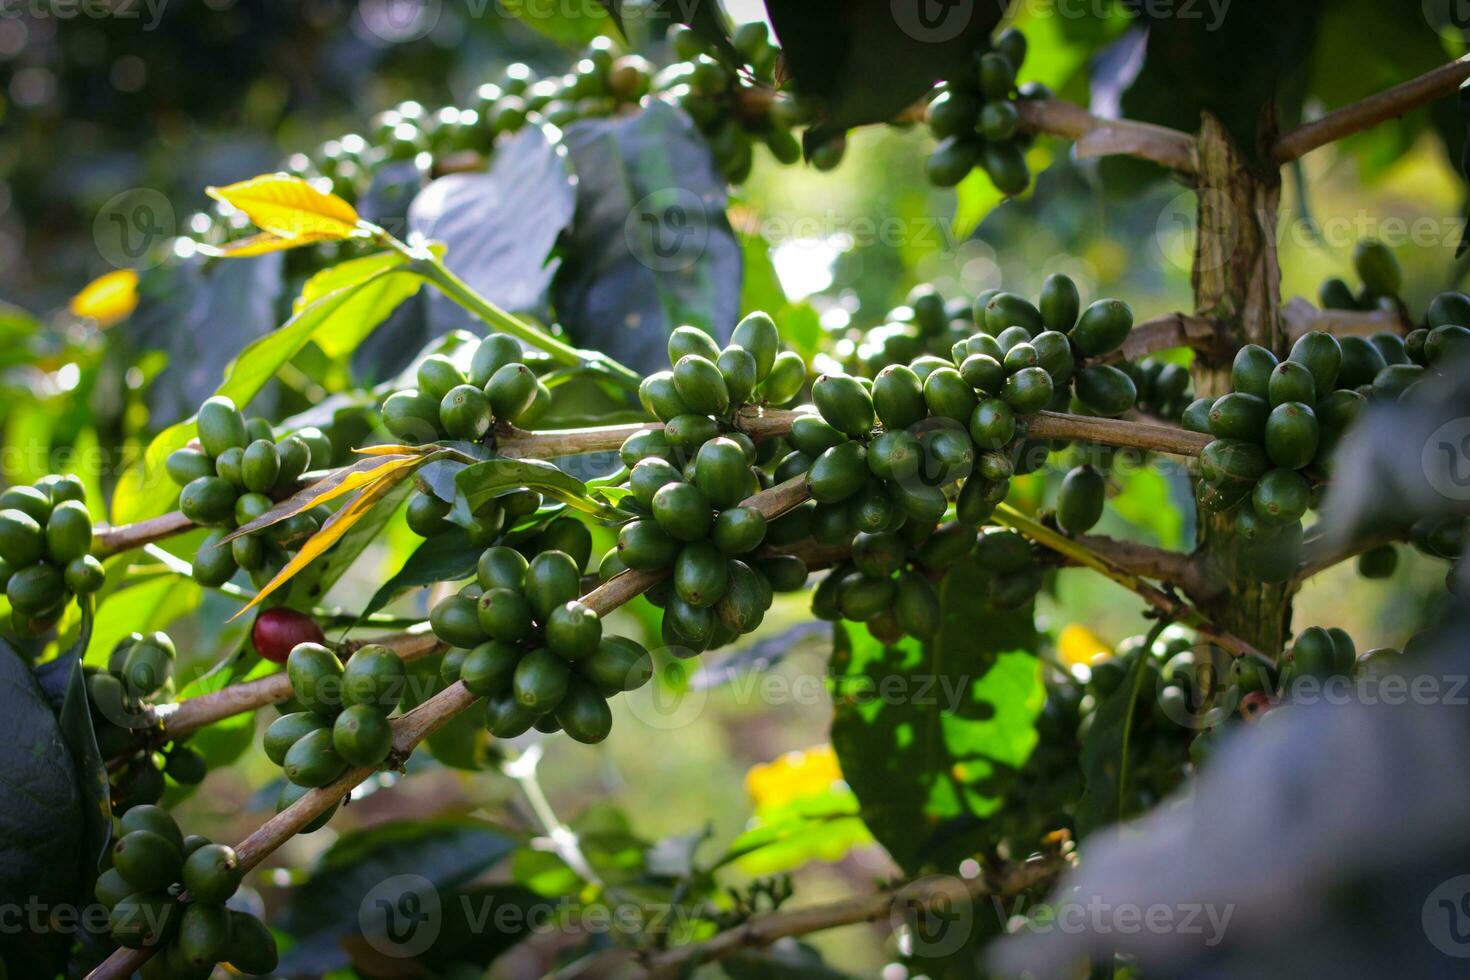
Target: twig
{"points": [[1371, 111], [1166, 333], [1317, 557], [758, 423], [936, 893], [418, 724], [1099, 137], [1147, 561], [1301, 317], [1165, 603], [1117, 432], [186, 717], [109, 541]]}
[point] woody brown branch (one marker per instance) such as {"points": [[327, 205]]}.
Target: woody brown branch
{"points": [[1375, 109]]}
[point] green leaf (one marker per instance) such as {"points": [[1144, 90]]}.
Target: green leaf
{"points": [[655, 17], [1192, 65], [365, 874], [651, 246], [1105, 761], [145, 490], [226, 740], [75, 716], [500, 228], [151, 604], [929, 735], [370, 303], [43, 857], [478, 484], [866, 62], [442, 558], [566, 24]]}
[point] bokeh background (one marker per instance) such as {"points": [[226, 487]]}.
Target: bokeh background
{"points": [[98, 113]]}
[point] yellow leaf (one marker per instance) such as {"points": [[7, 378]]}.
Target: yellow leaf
{"points": [[390, 450], [331, 532], [1079, 645], [261, 244], [108, 299], [336, 484], [793, 776], [289, 207]]}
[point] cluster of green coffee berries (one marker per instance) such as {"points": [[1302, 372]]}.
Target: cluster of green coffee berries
{"points": [[688, 481], [167, 892], [462, 403], [1274, 436], [1380, 274], [1044, 794], [45, 551], [342, 713], [735, 107], [1163, 387], [974, 117], [1054, 334], [521, 637], [926, 323], [139, 672], [233, 475]]}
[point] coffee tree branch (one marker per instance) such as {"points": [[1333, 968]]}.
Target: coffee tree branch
{"points": [[1371, 111], [937, 893]]}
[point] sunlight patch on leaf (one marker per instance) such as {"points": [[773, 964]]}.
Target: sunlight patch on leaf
{"points": [[290, 208]]}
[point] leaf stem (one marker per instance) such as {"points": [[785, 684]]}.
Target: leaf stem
{"points": [[1165, 603], [432, 268]]}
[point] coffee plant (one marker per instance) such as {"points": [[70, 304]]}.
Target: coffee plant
{"points": [[557, 476]]}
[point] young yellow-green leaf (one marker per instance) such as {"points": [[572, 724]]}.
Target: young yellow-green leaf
{"points": [[332, 531], [261, 244], [145, 491], [107, 299], [290, 207], [335, 484]]}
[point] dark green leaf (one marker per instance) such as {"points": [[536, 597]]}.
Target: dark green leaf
{"points": [[74, 713], [867, 62], [500, 227], [929, 735], [480, 483], [1192, 66], [655, 17], [366, 877], [651, 247], [44, 828], [187, 310], [442, 558], [1105, 751]]}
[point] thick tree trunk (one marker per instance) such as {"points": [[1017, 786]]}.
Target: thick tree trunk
{"points": [[1237, 281]]}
